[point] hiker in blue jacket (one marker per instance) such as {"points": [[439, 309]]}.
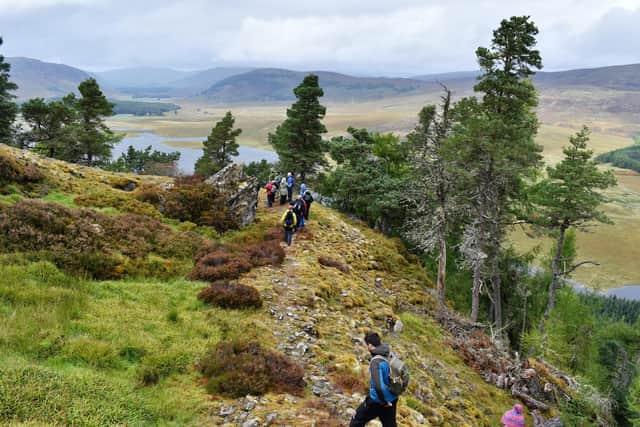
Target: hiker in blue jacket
{"points": [[381, 403], [289, 187]]}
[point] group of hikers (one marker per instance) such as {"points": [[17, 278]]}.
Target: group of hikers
{"points": [[389, 377], [297, 210]]}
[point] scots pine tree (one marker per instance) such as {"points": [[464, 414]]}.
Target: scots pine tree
{"points": [[51, 125], [219, 146], [432, 185], [8, 108], [94, 139], [298, 140], [495, 151], [568, 198]]}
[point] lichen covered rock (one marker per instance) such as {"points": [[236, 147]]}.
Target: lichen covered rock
{"points": [[242, 191]]}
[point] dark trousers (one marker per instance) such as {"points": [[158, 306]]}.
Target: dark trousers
{"points": [[369, 410], [288, 233], [270, 199], [283, 199], [289, 193]]}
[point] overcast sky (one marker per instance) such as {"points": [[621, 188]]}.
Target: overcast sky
{"points": [[385, 37]]}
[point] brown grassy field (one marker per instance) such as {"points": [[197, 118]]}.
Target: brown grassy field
{"points": [[562, 112]]}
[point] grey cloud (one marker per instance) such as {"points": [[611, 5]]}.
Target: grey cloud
{"points": [[373, 36]]}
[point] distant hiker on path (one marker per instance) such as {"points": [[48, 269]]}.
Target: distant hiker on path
{"points": [[289, 186], [381, 403], [283, 190], [288, 222], [270, 193], [303, 189], [308, 199], [513, 417], [298, 209]]}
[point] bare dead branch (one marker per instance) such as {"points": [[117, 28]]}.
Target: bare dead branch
{"points": [[574, 266]]}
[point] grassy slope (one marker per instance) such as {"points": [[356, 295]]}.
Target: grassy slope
{"points": [[75, 351]]}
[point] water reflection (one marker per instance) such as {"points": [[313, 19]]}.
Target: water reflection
{"points": [[188, 156]]}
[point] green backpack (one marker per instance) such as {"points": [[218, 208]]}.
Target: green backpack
{"points": [[398, 374]]}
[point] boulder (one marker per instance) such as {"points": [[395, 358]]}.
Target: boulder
{"points": [[242, 191]]}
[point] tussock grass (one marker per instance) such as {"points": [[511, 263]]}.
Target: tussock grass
{"points": [[80, 352]]}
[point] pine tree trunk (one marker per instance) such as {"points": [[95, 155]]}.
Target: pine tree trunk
{"points": [[475, 293], [555, 280], [442, 259], [497, 300]]}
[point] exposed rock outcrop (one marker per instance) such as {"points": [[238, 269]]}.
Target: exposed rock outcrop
{"points": [[242, 191]]}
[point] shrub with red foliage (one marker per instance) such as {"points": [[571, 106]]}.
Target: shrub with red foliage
{"points": [[348, 381], [216, 262], [236, 369], [265, 253], [328, 262], [219, 265], [191, 199], [231, 295]]}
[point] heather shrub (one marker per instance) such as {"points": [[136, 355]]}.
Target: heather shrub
{"points": [[217, 266], [348, 381], [15, 171], [231, 295], [92, 244], [120, 201], [265, 253], [328, 262], [190, 199], [229, 261], [150, 195], [236, 369]]}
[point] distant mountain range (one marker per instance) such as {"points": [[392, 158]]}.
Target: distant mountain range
{"points": [[274, 84], [137, 77], [243, 85], [44, 79]]}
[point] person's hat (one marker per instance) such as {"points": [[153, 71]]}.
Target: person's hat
{"points": [[289, 174], [518, 408], [290, 207]]}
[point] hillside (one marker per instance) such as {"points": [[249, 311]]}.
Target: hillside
{"points": [[130, 350], [44, 79], [275, 85], [224, 85], [618, 77], [140, 77], [202, 80]]}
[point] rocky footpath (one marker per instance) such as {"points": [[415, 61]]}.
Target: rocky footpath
{"points": [[318, 314]]}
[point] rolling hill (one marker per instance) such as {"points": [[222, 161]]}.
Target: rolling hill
{"points": [[140, 77], [44, 79], [223, 85], [202, 80], [273, 84], [618, 77]]}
